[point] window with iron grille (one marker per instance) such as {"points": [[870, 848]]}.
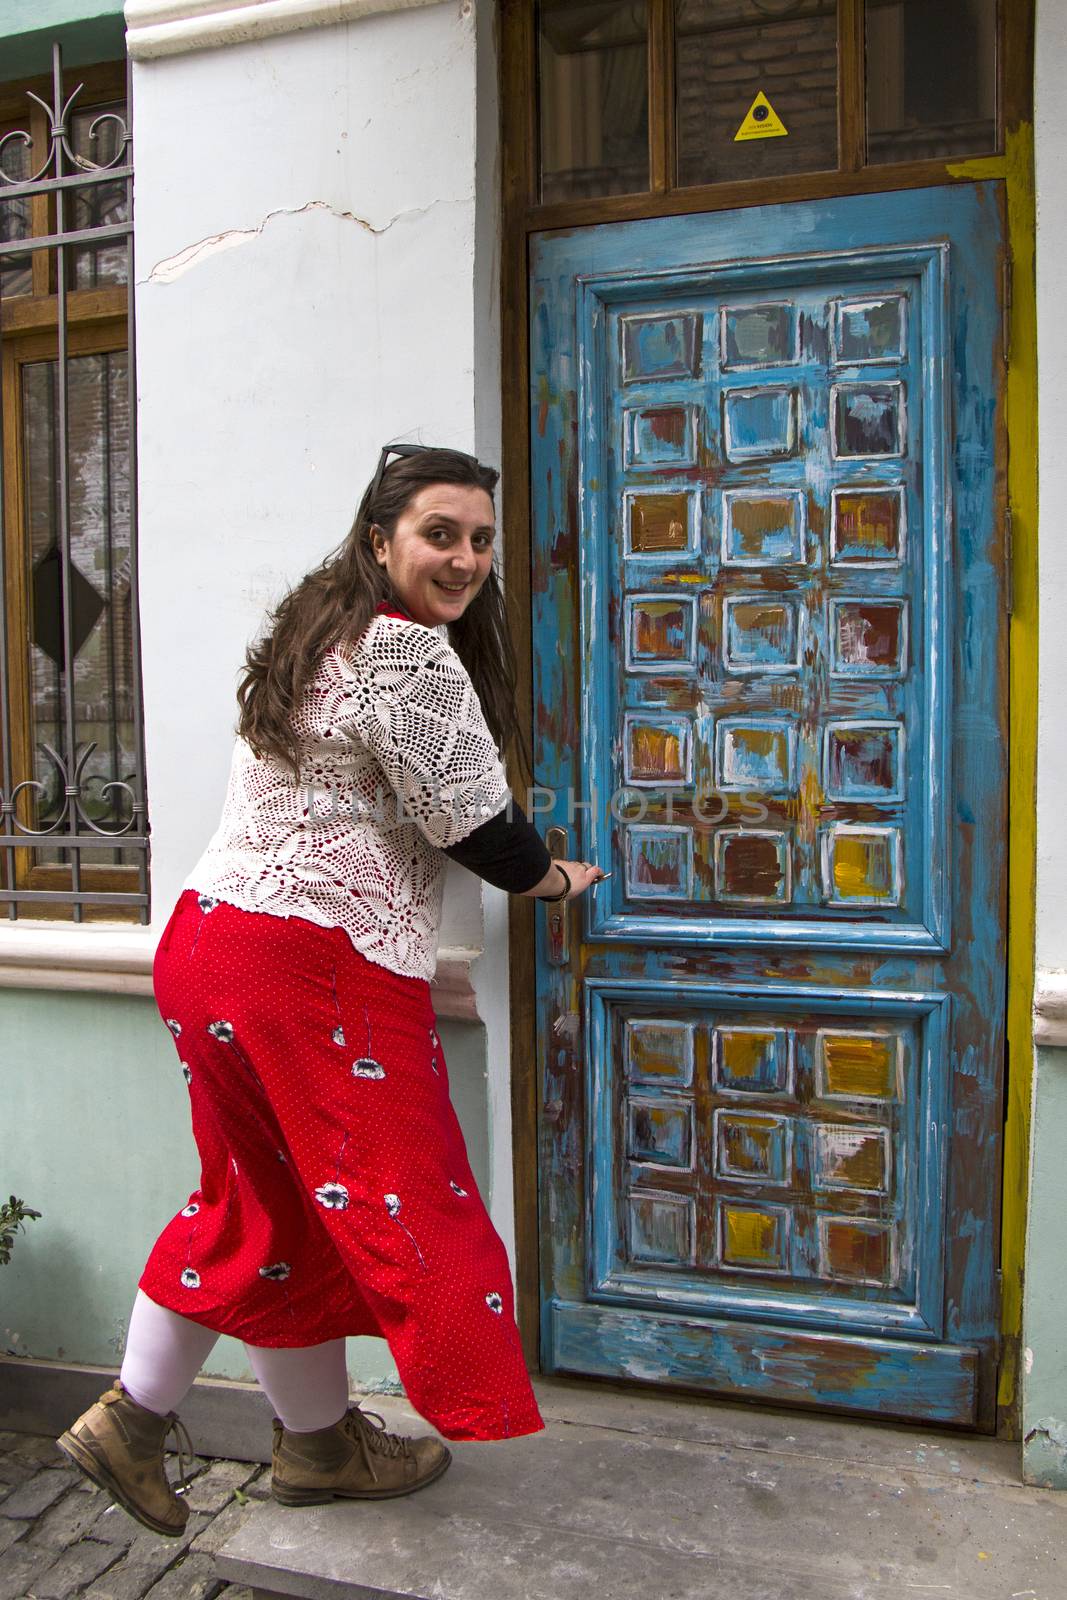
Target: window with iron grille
{"points": [[73, 824]]}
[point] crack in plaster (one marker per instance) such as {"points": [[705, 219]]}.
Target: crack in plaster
{"points": [[172, 267]]}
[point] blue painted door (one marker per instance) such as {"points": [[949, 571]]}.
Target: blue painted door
{"points": [[770, 646]]}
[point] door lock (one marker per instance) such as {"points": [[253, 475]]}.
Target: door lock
{"points": [[559, 944]]}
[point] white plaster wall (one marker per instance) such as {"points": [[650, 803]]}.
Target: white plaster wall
{"points": [[305, 234], [1044, 1379], [491, 971], [317, 274], [1050, 130]]}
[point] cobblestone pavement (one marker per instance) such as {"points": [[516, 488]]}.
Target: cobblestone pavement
{"points": [[60, 1536]]}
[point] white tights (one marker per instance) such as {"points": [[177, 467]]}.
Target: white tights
{"points": [[164, 1352]]}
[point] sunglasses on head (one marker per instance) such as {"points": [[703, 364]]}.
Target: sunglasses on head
{"points": [[404, 451]]}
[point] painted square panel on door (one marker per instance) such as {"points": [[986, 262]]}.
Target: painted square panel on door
{"points": [[754, 1238], [868, 419], [758, 336], [760, 635], [864, 761], [658, 750], [867, 526], [660, 436], [659, 1051], [752, 866], [662, 1228], [752, 1060], [661, 347], [862, 866], [753, 1147], [762, 527], [853, 1252], [759, 424], [858, 1065], [659, 863], [751, 754], [661, 522], [869, 330], [850, 1158], [660, 632], [660, 1132], [869, 638]]}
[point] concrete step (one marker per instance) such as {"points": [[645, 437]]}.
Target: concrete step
{"points": [[633, 1496]]}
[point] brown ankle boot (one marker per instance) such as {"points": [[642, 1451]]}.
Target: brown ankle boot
{"points": [[119, 1445], [354, 1460]]}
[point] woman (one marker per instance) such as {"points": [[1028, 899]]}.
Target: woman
{"points": [[336, 1197]]}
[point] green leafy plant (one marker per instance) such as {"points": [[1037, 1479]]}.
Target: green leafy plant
{"points": [[13, 1213]]}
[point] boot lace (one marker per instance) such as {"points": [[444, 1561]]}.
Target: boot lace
{"points": [[369, 1431], [183, 1447]]}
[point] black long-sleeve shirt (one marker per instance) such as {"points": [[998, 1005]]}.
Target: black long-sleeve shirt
{"points": [[507, 852]]}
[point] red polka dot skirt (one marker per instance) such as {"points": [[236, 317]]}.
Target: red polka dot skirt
{"points": [[336, 1197]]}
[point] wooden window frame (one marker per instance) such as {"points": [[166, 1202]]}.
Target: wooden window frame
{"points": [[664, 197]]}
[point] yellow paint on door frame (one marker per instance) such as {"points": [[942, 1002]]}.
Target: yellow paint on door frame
{"points": [[1016, 168]]}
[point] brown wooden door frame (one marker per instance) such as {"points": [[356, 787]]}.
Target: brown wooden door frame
{"points": [[521, 215]]}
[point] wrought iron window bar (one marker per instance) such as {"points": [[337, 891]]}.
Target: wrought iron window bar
{"points": [[72, 830]]}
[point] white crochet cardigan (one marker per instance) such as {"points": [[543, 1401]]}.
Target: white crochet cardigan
{"points": [[396, 762]]}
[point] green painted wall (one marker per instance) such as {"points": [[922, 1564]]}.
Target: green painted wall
{"points": [[94, 1133], [88, 30], [1045, 1304]]}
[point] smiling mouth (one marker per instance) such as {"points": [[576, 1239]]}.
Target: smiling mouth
{"points": [[451, 588]]}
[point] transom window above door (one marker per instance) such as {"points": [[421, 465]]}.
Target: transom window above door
{"points": [[646, 96]]}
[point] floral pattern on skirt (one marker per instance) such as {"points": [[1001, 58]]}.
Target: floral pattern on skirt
{"points": [[336, 1197]]}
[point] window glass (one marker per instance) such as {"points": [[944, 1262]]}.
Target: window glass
{"points": [[15, 220], [729, 53], [97, 137], [593, 81], [931, 79], [100, 594]]}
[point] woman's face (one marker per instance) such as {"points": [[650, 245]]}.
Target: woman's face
{"points": [[440, 551]]}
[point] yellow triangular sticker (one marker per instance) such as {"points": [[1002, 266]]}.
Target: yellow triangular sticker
{"points": [[762, 122]]}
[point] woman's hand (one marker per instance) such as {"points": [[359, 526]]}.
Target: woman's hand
{"points": [[581, 876]]}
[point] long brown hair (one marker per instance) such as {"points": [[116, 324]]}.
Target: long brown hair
{"points": [[337, 600]]}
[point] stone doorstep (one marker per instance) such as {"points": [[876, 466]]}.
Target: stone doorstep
{"points": [[639, 1497]]}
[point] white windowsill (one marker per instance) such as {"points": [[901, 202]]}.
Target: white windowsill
{"points": [[1050, 1007], [171, 27], [113, 958]]}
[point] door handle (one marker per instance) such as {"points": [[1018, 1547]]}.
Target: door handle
{"points": [[559, 943]]}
